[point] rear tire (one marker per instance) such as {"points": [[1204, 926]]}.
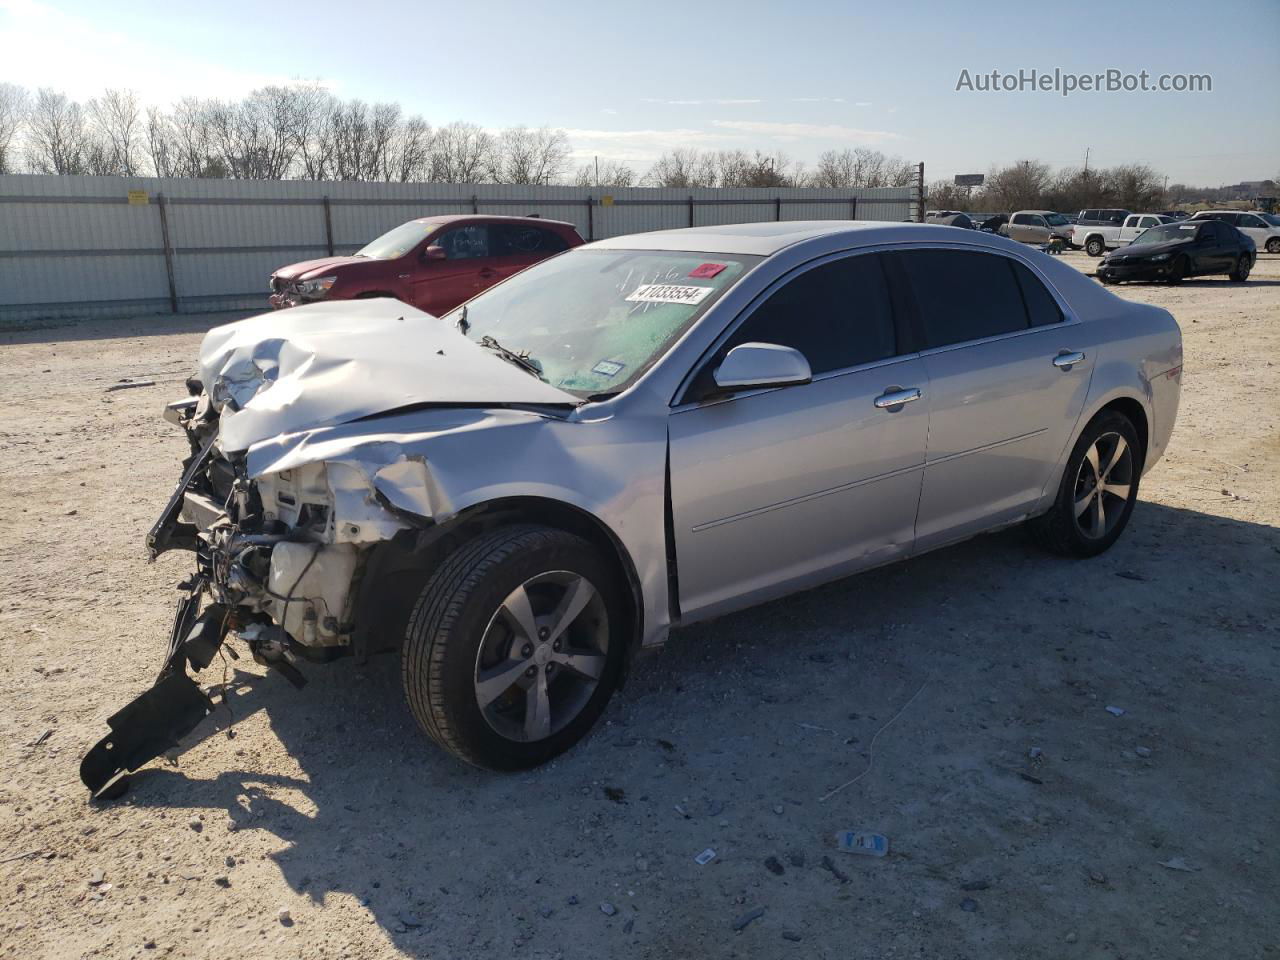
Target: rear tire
{"points": [[1105, 465], [493, 692], [1094, 247], [1273, 245], [1241, 272]]}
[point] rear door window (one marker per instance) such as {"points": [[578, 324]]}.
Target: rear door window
{"points": [[838, 315], [963, 295], [517, 240], [1042, 309]]}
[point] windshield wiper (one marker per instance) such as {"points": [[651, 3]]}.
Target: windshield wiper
{"points": [[521, 360]]}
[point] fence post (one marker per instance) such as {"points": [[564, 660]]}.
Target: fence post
{"points": [[328, 225], [475, 204], [853, 208], [920, 194], [777, 208], [168, 250], [591, 219], [691, 209]]}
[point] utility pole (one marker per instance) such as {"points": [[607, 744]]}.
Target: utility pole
{"points": [[597, 160], [1086, 162]]}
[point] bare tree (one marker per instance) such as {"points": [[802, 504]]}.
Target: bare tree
{"points": [[531, 156], [861, 167], [462, 153], [611, 173], [684, 169], [1019, 187], [13, 112], [409, 153], [56, 134], [115, 125]]}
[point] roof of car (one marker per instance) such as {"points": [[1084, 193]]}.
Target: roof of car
{"points": [[764, 239], [450, 217]]}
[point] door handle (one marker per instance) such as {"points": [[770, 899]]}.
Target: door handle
{"points": [[896, 398], [1066, 359]]}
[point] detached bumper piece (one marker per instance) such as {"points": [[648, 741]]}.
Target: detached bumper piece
{"points": [[163, 715]]}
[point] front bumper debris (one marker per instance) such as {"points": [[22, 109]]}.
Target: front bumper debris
{"points": [[155, 721]]}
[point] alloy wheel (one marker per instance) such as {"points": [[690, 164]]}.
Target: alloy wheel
{"points": [[542, 656], [1103, 485]]}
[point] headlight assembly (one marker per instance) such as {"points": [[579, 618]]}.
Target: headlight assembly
{"points": [[1161, 257], [315, 289]]}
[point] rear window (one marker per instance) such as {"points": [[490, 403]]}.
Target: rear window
{"points": [[1042, 309], [964, 295]]}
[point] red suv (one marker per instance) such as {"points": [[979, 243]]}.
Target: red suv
{"points": [[434, 263]]}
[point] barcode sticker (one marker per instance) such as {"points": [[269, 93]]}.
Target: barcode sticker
{"points": [[669, 293]]}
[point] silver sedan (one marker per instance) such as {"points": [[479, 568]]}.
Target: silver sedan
{"points": [[632, 436]]}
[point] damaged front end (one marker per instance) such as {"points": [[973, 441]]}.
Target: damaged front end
{"points": [[273, 565]]}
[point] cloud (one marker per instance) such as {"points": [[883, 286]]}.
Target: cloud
{"points": [[790, 132], [862, 103], [47, 47], [609, 110], [817, 99], [641, 147], [695, 103]]}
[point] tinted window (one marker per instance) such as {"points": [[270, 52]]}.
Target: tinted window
{"points": [[1022, 218], [513, 240], [1148, 222], [838, 315], [963, 295], [1088, 214], [1041, 307], [1248, 220], [465, 243]]}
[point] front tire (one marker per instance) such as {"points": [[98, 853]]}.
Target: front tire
{"points": [[1179, 271], [515, 646], [1241, 272], [1098, 490], [1273, 245], [1094, 247]]}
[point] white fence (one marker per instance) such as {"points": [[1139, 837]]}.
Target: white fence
{"points": [[115, 246]]}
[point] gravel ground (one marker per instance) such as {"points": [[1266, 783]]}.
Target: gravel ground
{"points": [[1151, 833]]}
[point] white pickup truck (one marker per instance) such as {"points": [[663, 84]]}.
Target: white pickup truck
{"points": [[1099, 237]]}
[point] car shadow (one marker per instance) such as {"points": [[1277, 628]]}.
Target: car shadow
{"points": [[362, 765], [1199, 282]]}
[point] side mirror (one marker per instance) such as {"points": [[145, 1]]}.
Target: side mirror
{"points": [[434, 252], [754, 365]]}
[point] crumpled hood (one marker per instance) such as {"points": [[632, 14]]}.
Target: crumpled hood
{"points": [[331, 363], [295, 271]]}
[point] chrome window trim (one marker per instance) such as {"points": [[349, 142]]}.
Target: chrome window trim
{"points": [[1069, 317]]}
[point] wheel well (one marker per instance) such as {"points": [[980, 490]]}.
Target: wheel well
{"points": [[412, 558], [1132, 410]]}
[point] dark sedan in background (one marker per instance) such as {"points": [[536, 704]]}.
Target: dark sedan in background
{"points": [[1175, 251]]}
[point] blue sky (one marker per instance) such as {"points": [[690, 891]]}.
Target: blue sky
{"points": [[630, 81]]}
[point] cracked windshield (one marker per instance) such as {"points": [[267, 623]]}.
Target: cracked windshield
{"points": [[591, 321]]}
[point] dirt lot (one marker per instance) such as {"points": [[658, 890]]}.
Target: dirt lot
{"points": [[1151, 834]]}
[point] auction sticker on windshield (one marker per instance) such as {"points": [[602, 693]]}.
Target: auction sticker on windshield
{"points": [[669, 293]]}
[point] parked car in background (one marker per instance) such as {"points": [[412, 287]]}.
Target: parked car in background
{"points": [[995, 223], [1175, 214], [1135, 223], [1098, 230], [432, 263], [1262, 228], [1180, 249], [641, 434], [960, 220], [1038, 226]]}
